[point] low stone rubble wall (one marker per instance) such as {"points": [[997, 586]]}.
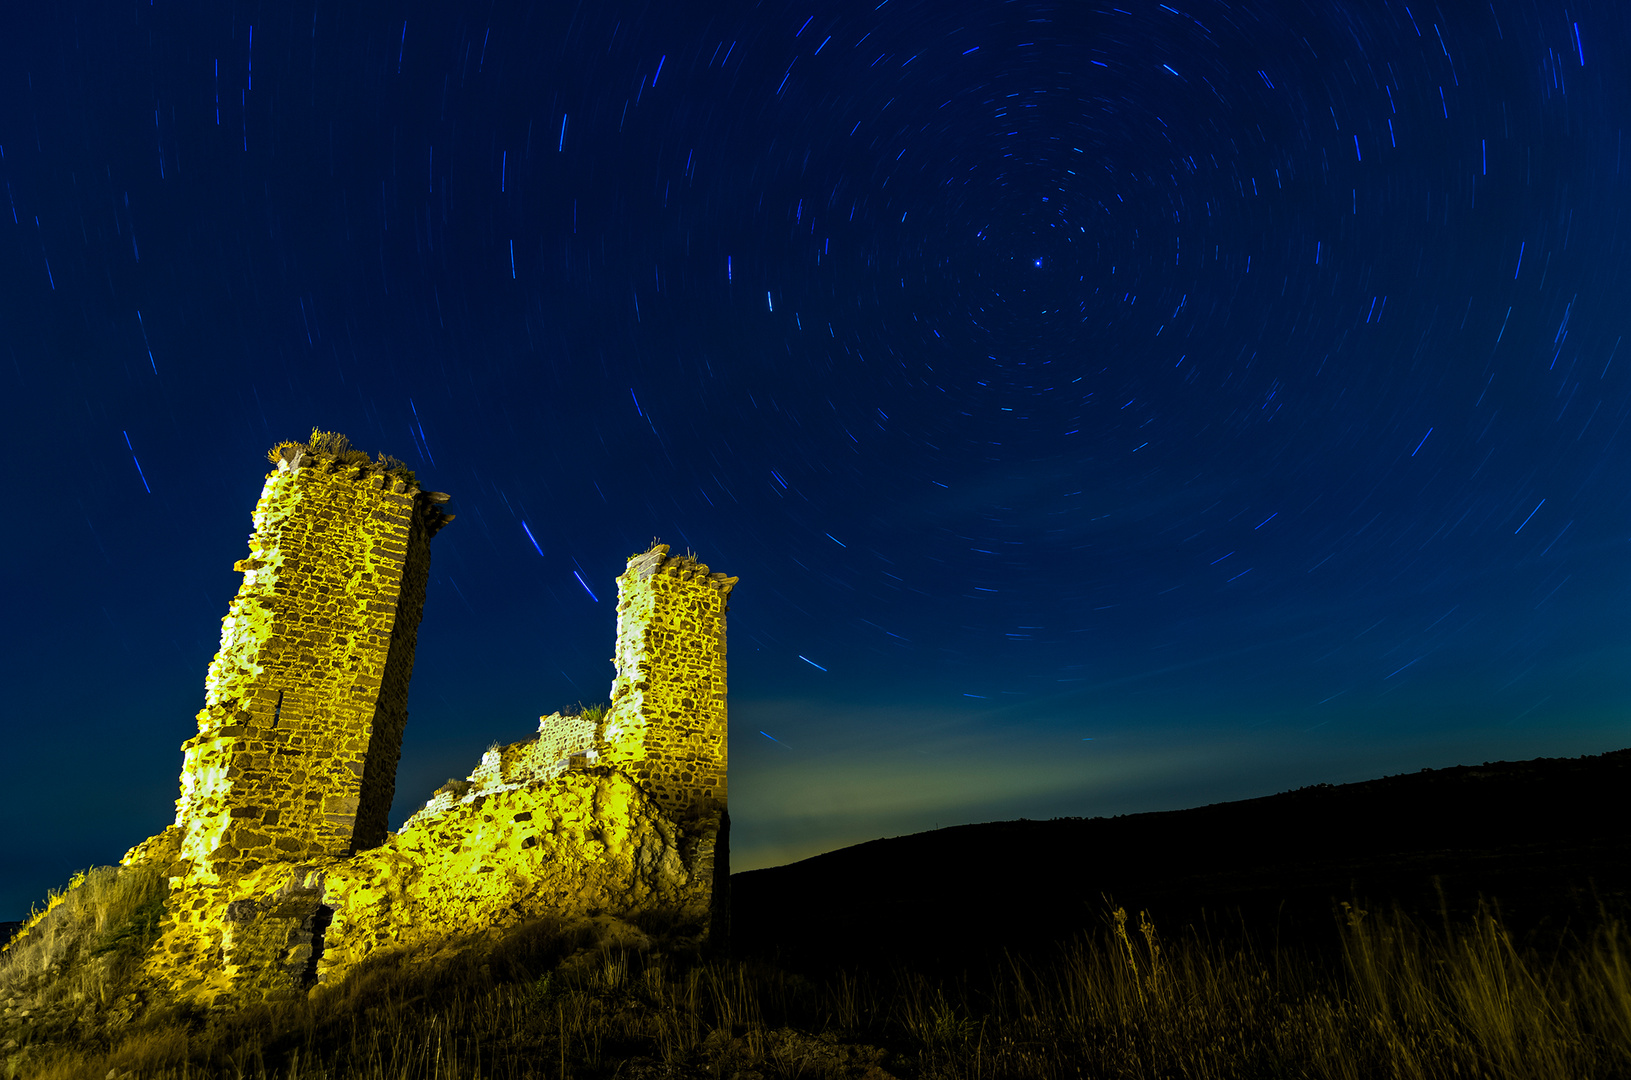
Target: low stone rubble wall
{"points": [[588, 842]]}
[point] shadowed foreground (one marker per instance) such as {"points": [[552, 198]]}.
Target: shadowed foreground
{"points": [[604, 999]]}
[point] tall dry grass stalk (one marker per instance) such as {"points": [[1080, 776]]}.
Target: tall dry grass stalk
{"points": [[83, 945]]}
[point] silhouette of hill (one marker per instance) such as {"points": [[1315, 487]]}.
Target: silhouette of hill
{"points": [[1545, 838]]}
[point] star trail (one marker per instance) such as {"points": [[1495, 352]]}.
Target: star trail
{"points": [[1129, 406]]}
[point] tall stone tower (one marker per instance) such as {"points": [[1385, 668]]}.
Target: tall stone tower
{"points": [[666, 724], [305, 702]]}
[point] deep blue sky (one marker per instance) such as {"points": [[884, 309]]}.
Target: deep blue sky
{"points": [[1105, 408]]}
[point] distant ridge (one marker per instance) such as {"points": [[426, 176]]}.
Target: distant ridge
{"points": [[1543, 837]]}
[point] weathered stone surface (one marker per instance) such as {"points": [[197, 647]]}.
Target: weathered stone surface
{"points": [[316, 653], [583, 844], [667, 718], [281, 872]]}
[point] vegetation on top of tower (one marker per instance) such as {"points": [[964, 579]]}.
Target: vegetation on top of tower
{"points": [[337, 448], [656, 542]]}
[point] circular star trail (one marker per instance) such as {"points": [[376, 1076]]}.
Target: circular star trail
{"points": [[1104, 407]]}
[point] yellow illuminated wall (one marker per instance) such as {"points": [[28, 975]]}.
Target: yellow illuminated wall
{"points": [[667, 720], [305, 702], [282, 874]]}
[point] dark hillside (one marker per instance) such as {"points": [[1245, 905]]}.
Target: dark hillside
{"points": [[1546, 838]]}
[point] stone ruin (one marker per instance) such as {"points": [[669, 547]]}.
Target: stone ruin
{"points": [[282, 872]]}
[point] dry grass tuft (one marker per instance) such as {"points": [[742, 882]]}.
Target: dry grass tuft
{"points": [[335, 447], [92, 932]]}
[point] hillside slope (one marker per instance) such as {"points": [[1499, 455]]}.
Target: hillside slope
{"points": [[1544, 837]]}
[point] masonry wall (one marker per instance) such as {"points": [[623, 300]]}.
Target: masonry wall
{"points": [[590, 841], [282, 873], [522, 838], [306, 699], [667, 722], [305, 702], [559, 737]]}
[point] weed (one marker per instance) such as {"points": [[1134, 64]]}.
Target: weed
{"points": [[337, 448], [592, 713]]}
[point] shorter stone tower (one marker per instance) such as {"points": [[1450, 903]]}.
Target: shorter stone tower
{"points": [[666, 725], [305, 702]]}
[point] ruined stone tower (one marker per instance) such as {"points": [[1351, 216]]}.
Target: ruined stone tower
{"points": [[281, 870], [667, 721], [305, 702]]}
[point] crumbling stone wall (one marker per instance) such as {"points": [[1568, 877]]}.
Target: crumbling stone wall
{"points": [[282, 874], [305, 702], [560, 737], [667, 723], [590, 841]]}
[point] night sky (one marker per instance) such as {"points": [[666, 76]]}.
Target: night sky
{"points": [[1105, 408]]}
